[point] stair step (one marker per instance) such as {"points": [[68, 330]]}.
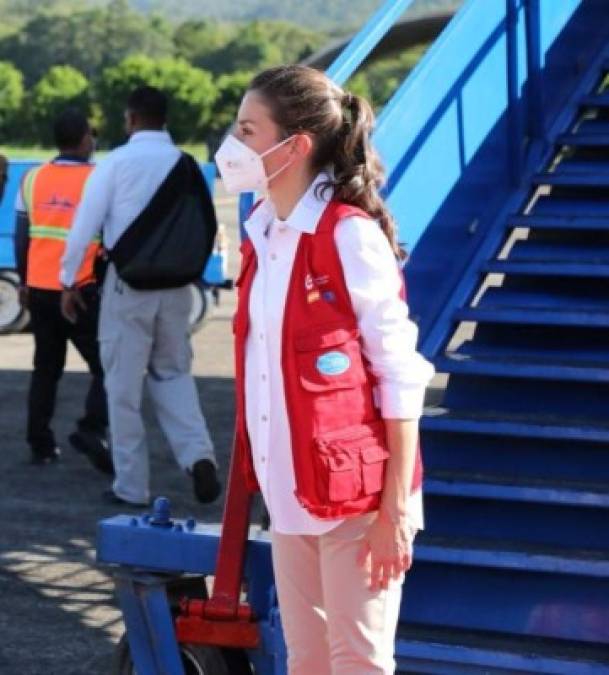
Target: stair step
{"points": [[555, 269], [530, 511], [574, 247], [600, 101], [458, 364], [566, 222], [441, 420], [593, 126], [451, 484], [584, 140], [584, 355], [527, 558], [429, 649], [574, 206], [534, 317], [581, 179]]}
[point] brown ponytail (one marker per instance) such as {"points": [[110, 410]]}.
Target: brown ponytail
{"points": [[302, 99]]}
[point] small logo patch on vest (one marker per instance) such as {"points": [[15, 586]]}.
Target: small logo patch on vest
{"points": [[333, 363]]}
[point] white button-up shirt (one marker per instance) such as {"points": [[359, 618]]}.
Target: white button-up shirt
{"points": [[117, 191], [388, 342]]}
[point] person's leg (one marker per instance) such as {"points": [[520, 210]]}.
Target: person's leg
{"points": [[125, 334], [50, 341], [298, 582], [171, 385], [83, 335], [361, 623]]}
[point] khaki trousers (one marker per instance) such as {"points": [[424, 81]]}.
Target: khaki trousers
{"points": [[333, 624]]}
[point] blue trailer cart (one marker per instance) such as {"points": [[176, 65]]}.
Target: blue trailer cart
{"points": [[13, 318], [497, 154]]}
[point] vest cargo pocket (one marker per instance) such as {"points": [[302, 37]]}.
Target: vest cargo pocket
{"points": [[351, 462], [343, 478], [329, 359], [373, 468]]}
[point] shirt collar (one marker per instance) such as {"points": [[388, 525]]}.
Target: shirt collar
{"points": [[66, 157], [149, 135], [304, 216]]}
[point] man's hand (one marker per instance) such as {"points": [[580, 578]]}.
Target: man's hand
{"points": [[386, 551], [24, 296], [71, 302]]}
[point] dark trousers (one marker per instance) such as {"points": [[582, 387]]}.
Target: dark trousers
{"points": [[51, 334]]}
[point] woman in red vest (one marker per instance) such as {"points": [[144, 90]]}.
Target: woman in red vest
{"points": [[329, 384]]}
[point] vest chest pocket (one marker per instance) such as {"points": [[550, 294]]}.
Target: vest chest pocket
{"points": [[329, 359], [352, 462]]}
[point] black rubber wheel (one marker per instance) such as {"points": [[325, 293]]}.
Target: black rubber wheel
{"points": [[13, 318], [199, 307], [237, 661], [196, 659]]}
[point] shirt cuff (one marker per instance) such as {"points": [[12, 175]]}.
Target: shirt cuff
{"points": [[66, 279], [399, 401]]}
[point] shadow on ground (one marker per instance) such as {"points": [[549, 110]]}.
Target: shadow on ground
{"points": [[58, 615]]}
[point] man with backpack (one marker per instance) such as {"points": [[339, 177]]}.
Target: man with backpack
{"points": [[150, 203]]}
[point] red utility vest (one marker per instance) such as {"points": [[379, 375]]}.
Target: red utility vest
{"points": [[51, 194], [338, 436]]}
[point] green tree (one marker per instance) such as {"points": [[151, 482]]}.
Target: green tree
{"points": [[200, 41], [250, 49], [231, 88], [190, 90], [11, 99], [61, 87], [89, 40]]}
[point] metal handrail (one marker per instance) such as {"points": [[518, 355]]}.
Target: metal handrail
{"points": [[373, 31]]}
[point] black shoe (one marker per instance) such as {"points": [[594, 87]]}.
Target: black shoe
{"points": [[110, 497], [45, 457], [205, 481], [95, 450]]}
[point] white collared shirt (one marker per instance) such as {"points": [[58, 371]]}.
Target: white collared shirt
{"points": [[117, 191], [388, 340]]}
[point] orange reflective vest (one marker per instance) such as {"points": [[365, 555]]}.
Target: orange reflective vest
{"points": [[51, 193]]}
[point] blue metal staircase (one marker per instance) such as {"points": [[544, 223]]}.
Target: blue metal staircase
{"points": [[512, 574], [497, 154]]}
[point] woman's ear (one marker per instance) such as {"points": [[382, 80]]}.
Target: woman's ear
{"points": [[303, 145]]}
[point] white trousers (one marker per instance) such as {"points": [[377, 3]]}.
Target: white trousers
{"points": [[332, 622], [144, 336]]}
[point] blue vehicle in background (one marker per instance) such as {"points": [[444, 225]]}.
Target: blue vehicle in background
{"points": [[13, 318]]}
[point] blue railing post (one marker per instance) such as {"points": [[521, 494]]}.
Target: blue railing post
{"points": [[515, 127], [535, 93]]}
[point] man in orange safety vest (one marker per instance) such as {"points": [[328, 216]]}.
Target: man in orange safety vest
{"points": [[45, 207]]}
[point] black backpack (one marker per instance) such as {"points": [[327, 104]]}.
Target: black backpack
{"points": [[168, 244]]}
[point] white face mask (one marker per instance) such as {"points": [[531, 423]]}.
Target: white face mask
{"points": [[242, 169]]}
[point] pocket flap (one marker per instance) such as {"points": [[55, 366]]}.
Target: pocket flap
{"points": [[323, 338], [340, 463], [373, 454]]}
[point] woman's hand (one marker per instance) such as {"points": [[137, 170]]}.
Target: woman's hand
{"points": [[386, 551]]}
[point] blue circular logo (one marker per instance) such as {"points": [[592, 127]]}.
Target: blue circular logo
{"points": [[333, 363]]}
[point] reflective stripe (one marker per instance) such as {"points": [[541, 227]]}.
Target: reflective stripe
{"points": [[46, 232], [27, 187], [50, 232]]}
